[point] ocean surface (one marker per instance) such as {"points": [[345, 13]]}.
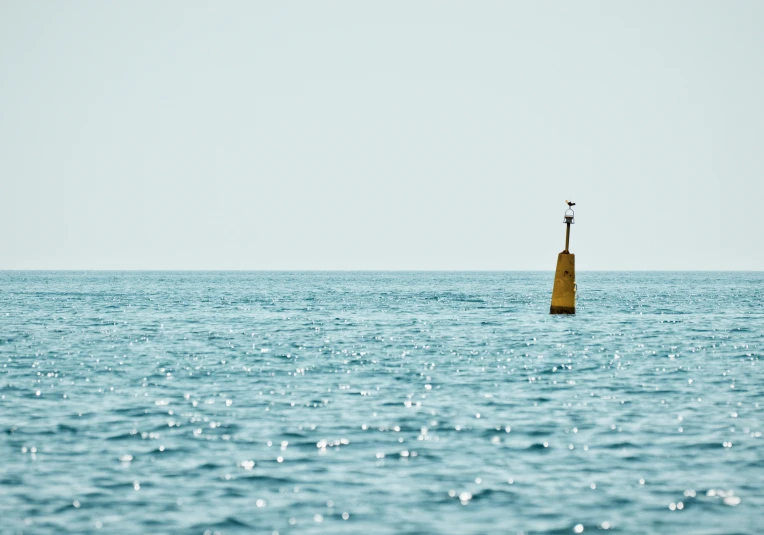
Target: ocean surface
{"points": [[381, 403]]}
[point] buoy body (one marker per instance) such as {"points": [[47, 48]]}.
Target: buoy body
{"points": [[564, 290]]}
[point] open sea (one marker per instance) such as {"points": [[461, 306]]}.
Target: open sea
{"points": [[380, 403]]}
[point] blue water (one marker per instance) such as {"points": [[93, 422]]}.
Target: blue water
{"points": [[232, 402]]}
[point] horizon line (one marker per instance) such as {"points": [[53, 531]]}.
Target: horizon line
{"points": [[235, 270]]}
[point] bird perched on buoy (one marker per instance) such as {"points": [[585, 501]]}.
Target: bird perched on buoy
{"points": [[571, 204]]}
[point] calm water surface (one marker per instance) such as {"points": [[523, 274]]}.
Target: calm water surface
{"points": [[380, 403]]}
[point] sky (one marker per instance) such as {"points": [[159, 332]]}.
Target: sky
{"points": [[411, 135]]}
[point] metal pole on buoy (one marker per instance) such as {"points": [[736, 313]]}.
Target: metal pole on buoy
{"points": [[564, 290]]}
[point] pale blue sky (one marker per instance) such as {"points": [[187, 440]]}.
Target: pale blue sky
{"points": [[380, 135]]}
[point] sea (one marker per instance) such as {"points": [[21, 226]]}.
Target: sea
{"points": [[380, 403]]}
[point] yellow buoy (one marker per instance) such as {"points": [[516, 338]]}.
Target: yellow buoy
{"points": [[564, 291]]}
